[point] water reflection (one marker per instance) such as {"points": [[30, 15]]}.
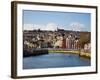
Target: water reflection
{"points": [[54, 60]]}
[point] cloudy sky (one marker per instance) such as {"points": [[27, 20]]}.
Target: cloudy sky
{"points": [[45, 20]]}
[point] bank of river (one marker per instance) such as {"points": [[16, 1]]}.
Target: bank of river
{"points": [[34, 52], [55, 60], [78, 52]]}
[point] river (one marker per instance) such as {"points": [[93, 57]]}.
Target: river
{"points": [[54, 60]]}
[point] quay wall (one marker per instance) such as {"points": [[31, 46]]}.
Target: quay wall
{"points": [[36, 52]]}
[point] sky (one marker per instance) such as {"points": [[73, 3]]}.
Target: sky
{"points": [[51, 20]]}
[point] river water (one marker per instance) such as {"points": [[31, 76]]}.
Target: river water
{"points": [[54, 60]]}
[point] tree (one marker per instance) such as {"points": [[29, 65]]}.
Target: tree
{"points": [[85, 37]]}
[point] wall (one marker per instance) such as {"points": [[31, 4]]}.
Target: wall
{"points": [[5, 40]]}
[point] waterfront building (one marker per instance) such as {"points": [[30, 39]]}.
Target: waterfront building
{"points": [[58, 43], [76, 44], [52, 39], [87, 47], [70, 42], [67, 43], [64, 43]]}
